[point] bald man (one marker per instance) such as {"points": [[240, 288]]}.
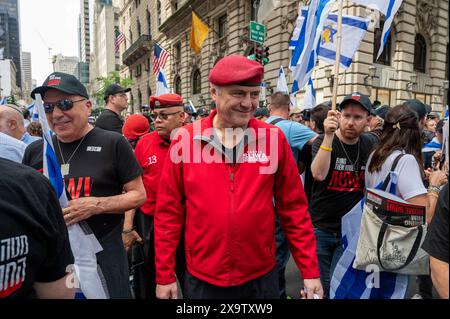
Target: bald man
{"points": [[12, 124]]}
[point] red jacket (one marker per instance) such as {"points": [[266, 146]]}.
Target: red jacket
{"points": [[151, 151], [227, 211]]}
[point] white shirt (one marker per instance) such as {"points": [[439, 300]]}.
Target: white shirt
{"points": [[409, 183], [11, 148]]}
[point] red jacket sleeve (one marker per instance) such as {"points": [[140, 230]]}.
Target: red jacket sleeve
{"points": [[292, 207], [169, 219]]}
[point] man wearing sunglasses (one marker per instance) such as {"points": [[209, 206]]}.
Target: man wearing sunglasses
{"points": [[116, 100], [151, 152], [97, 165]]}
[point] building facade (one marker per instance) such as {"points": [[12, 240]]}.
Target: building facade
{"points": [[66, 64], [8, 71], [414, 63], [26, 74], [10, 35]]}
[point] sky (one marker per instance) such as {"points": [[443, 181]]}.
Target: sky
{"points": [[48, 23]]}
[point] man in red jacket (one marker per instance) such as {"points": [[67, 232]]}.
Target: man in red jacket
{"points": [[221, 180], [151, 151]]}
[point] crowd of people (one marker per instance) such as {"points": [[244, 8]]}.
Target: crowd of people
{"points": [[207, 204]]}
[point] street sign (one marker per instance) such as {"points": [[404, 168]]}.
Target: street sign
{"points": [[257, 32]]}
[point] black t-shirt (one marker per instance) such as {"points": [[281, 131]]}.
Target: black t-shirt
{"points": [[34, 243], [344, 185], [110, 121], [103, 163], [436, 241], [305, 157]]}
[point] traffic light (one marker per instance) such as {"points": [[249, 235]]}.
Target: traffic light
{"points": [[259, 55], [265, 58]]}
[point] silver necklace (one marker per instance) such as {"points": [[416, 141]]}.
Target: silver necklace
{"points": [[65, 167], [354, 164]]}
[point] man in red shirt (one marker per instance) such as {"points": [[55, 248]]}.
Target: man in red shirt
{"points": [[151, 151], [221, 179]]}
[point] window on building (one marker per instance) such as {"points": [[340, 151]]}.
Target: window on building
{"points": [[222, 26], [158, 12], [131, 37], [174, 5], [139, 29], [177, 49], [147, 66], [196, 82], [178, 85], [139, 98], [385, 57], [420, 54], [149, 23]]}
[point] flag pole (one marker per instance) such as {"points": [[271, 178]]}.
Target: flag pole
{"points": [[338, 57]]}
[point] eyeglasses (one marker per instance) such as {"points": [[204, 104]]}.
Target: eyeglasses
{"points": [[63, 105], [163, 116]]}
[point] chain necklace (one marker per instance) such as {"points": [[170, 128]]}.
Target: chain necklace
{"points": [[65, 167], [355, 163]]}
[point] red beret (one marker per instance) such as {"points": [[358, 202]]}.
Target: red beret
{"points": [[135, 126], [236, 69], [165, 100]]}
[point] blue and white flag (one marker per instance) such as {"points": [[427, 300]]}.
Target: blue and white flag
{"points": [[309, 100], [282, 83], [353, 31], [350, 283], [161, 84], [34, 113], [389, 8], [304, 55], [84, 246], [432, 146], [4, 100]]}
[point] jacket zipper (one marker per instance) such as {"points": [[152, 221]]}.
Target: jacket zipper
{"points": [[231, 222]]}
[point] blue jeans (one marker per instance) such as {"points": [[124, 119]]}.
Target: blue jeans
{"points": [[282, 256], [329, 251]]}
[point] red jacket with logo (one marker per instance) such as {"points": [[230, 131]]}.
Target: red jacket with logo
{"points": [[227, 210], [151, 151]]}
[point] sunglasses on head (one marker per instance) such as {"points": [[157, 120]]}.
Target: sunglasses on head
{"points": [[63, 105]]}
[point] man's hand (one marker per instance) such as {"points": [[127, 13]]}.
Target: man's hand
{"points": [[169, 291], [312, 287], [81, 209], [130, 238], [331, 123]]}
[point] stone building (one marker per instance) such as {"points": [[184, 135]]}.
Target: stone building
{"points": [[414, 64]]}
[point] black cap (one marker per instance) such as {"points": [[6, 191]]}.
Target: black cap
{"points": [[63, 82], [417, 106], [114, 89], [360, 99], [261, 111], [382, 111]]}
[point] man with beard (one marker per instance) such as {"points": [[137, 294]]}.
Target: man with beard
{"points": [[339, 160]]}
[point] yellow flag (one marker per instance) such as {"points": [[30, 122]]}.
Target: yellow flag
{"points": [[199, 32]]}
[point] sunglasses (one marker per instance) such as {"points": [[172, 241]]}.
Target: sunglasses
{"points": [[63, 105], [163, 116]]}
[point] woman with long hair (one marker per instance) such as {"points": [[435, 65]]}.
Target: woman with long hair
{"points": [[401, 134]]}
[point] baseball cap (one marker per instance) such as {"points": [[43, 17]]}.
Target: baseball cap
{"points": [[135, 126], [295, 110], [382, 111], [417, 106], [63, 82], [358, 98], [114, 89]]}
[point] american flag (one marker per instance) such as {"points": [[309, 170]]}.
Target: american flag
{"points": [[120, 37], [160, 57]]}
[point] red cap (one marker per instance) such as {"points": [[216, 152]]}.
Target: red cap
{"points": [[135, 126], [238, 70], [165, 100]]}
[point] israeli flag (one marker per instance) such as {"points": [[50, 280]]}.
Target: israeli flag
{"points": [[353, 31], [84, 246], [389, 8], [432, 146], [282, 83], [4, 100], [350, 283], [161, 84], [34, 113], [305, 53], [309, 100]]}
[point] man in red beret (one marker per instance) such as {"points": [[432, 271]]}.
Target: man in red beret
{"points": [[225, 179], [151, 151]]}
